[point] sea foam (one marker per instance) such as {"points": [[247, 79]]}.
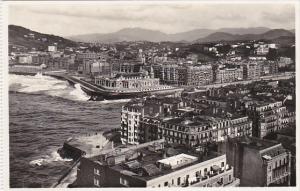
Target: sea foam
{"points": [[40, 84]]}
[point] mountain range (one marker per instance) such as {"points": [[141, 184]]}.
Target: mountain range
{"points": [[197, 35], [269, 35], [19, 36]]}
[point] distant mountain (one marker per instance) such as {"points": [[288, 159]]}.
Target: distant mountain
{"points": [[21, 36], [190, 35], [221, 36], [139, 34], [241, 31], [127, 34]]}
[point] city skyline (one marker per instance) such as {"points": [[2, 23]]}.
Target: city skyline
{"points": [[175, 18]]}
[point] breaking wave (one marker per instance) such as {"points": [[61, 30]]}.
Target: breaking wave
{"points": [[40, 84], [44, 160]]}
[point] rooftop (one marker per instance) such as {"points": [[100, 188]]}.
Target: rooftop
{"points": [[149, 164], [194, 121], [256, 143]]}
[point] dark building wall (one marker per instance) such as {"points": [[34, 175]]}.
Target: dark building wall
{"points": [[114, 179], [85, 173], [247, 163], [253, 173]]}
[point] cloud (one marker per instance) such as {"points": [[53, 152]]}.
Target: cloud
{"points": [[72, 19]]}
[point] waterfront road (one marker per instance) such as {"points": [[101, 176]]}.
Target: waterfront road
{"points": [[283, 76], [94, 88]]}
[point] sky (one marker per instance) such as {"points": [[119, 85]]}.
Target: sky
{"points": [[73, 19]]}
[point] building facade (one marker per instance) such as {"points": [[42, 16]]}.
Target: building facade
{"points": [[203, 129], [259, 162], [251, 71], [153, 165], [195, 75], [269, 117], [127, 82], [167, 73], [229, 75]]}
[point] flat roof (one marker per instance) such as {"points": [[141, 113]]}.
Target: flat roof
{"points": [[151, 160], [178, 159]]}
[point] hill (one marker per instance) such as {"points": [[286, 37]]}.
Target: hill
{"points": [[269, 35], [21, 36]]}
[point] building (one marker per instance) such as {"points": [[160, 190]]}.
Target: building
{"points": [[284, 62], [225, 75], [195, 75], [259, 162], [262, 49], [133, 128], [52, 48], [269, 117], [59, 62], [251, 71], [198, 130], [269, 67], [24, 59], [88, 56], [82, 60], [126, 67], [97, 68], [130, 82], [167, 73], [155, 164], [131, 115]]}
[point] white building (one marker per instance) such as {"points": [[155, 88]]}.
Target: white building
{"points": [[52, 48]]}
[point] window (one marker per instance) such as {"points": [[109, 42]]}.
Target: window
{"points": [[229, 178], [123, 181], [222, 164], [172, 181], [166, 184], [96, 171], [96, 182], [221, 180], [178, 181]]}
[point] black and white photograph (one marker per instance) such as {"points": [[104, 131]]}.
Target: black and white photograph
{"points": [[151, 94]]}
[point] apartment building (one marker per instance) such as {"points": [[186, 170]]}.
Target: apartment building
{"points": [[167, 73], [228, 75], [251, 71], [259, 162], [195, 75], [155, 164], [269, 117], [133, 112], [202, 129]]}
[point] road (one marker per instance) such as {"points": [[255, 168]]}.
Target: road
{"points": [[277, 77]]}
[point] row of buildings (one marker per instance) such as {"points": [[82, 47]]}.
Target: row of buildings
{"points": [[179, 73], [244, 161], [197, 75]]}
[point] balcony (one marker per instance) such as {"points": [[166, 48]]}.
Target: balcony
{"points": [[203, 180], [234, 183], [281, 176]]}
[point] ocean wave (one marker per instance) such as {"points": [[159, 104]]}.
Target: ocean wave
{"points": [[40, 84], [44, 160]]}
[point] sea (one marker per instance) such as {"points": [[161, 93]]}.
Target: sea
{"points": [[43, 113]]}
